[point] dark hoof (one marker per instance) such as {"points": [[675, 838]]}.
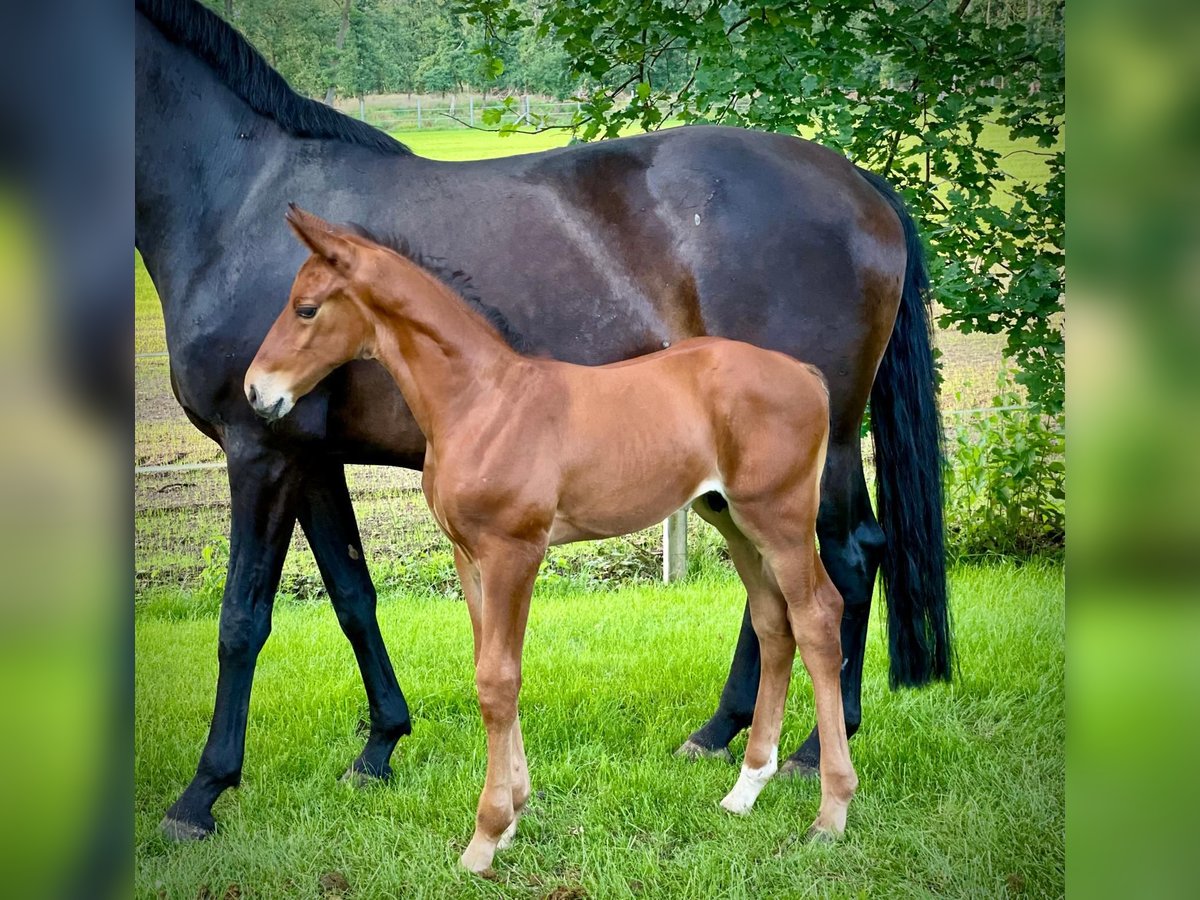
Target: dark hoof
{"points": [[182, 832], [692, 750], [361, 778], [798, 768]]}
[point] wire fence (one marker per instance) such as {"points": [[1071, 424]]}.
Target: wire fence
{"points": [[522, 110]]}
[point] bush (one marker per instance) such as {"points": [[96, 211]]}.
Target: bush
{"points": [[1005, 480]]}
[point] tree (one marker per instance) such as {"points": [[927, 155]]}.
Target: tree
{"points": [[339, 44]]}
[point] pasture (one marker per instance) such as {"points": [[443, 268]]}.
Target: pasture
{"points": [[961, 786]]}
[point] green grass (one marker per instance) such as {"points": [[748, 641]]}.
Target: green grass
{"points": [[961, 786], [465, 143]]}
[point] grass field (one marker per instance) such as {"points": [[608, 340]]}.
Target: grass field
{"points": [[961, 787]]}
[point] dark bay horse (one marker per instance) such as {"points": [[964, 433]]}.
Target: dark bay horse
{"points": [[593, 253], [524, 452]]}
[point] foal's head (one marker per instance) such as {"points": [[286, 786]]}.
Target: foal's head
{"points": [[327, 319]]}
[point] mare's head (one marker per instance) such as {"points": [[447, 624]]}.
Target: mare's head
{"points": [[327, 320]]}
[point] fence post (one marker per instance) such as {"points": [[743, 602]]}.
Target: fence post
{"points": [[418, 111], [675, 546], [471, 107]]}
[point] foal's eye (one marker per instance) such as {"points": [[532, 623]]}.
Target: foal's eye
{"points": [[306, 312]]}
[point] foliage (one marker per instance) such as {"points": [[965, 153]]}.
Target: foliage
{"points": [[392, 46], [906, 88], [1005, 480], [211, 584]]}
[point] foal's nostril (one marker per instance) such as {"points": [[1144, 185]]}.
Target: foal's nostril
{"points": [[252, 396]]}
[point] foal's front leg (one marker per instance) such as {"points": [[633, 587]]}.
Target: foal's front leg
{"points": [[468, 574], [507, 572]]}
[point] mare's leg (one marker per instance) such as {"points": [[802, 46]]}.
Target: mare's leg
{"points": [[735, 709], [507, 571], [264, 492], [851, 548], [327, 517]]}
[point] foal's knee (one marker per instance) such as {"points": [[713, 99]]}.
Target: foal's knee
{"points": [[498, 687], [842, 785]]}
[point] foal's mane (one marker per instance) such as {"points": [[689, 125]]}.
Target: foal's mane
{"points": [[456, 279], [243, 70]]}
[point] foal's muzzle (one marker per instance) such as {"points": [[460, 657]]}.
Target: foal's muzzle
{"points": [[268, 404]]}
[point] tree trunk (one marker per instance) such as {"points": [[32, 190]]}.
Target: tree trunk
{"points": [[228, 10], [339, 44]]}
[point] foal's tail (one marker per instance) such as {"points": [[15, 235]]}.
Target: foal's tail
{"points": [[907, 427]]}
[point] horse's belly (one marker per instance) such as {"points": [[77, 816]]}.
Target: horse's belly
{"points": [[624, 509]]}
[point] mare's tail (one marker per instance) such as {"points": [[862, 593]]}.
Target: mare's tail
{"points": [[907, 427]]}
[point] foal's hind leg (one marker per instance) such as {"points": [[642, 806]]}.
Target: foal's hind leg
{"points": [[851, 547], [815, 611], [768, 614], [785, 533]]}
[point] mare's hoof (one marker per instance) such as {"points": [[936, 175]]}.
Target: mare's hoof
{"points": [[798, 768], [692, 750], [182, 832], [355, 778], [361, 779]]}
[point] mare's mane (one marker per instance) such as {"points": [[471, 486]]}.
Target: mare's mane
{"points": [[456, 279], [243, 70]]}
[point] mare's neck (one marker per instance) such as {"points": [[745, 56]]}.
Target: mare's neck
{"points": [[441, 353], [194, 137]]}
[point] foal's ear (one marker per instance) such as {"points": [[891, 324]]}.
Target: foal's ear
{"points": [[325, 240]]}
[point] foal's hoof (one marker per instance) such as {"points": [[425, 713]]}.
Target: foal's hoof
{"points": [[821, 836], [182, 832], [798, 768], [478, 860], [506, 838], [692, 750], [737, 804]]}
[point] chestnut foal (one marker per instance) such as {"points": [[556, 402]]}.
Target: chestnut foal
{"points": [[527, 452]]}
